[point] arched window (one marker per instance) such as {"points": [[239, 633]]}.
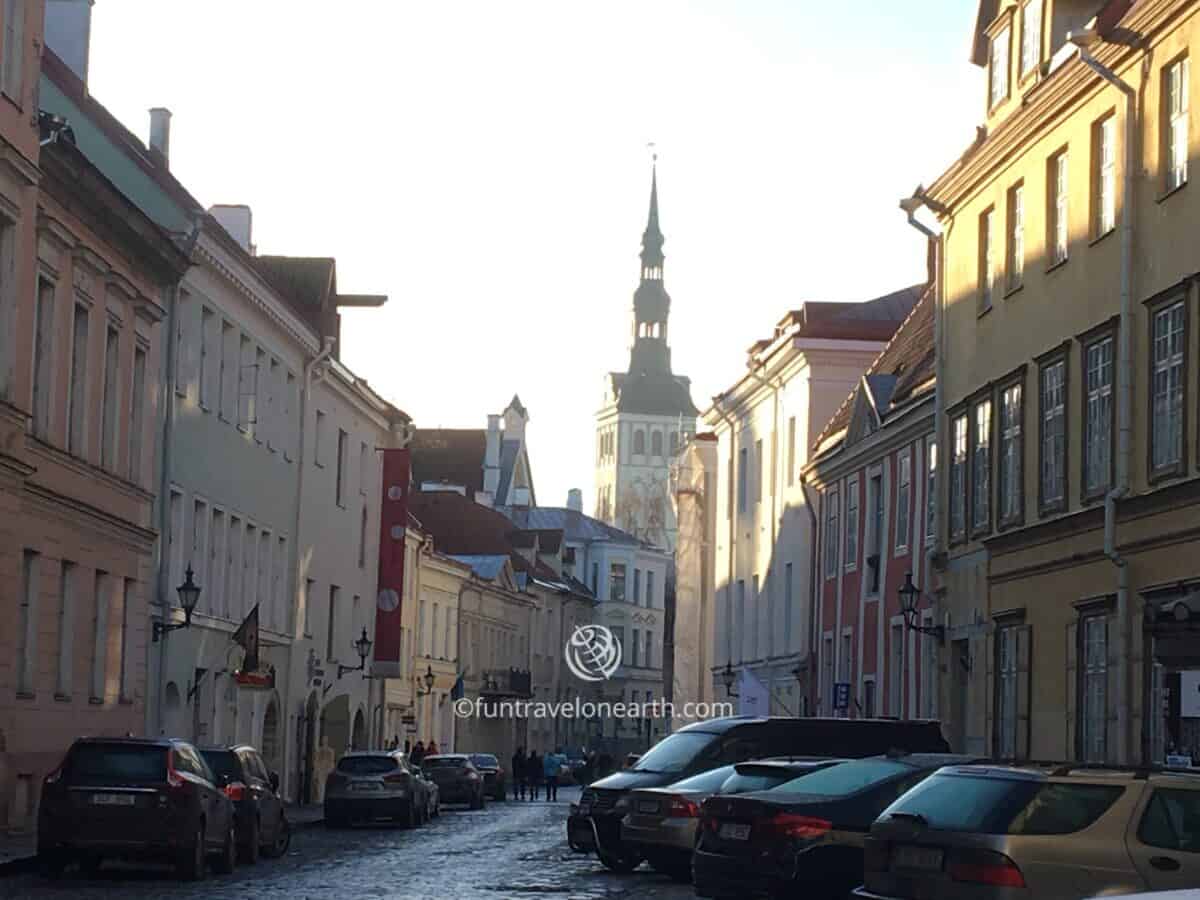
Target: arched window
{"points": [[639, 443], [656, 443], [674, 442]]}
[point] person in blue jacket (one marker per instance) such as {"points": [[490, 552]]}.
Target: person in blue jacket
{"points": [[551, 764]]}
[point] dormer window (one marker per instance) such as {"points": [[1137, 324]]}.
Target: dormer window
{"points": [[998, 70], [1031, 36]]}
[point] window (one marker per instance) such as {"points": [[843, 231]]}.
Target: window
{"points": [[1093, 707], [1016, 236], [233, 566], [786, 643], [656, 443], [1170, 821], [258, 414], [743, 462], [289, 395], [343, 449], [1166, 436], [66, 629], [1056, 218], [903, 499], [930, 489], [319, 440], [1054, 435], [207, 321], [637, 587], [616, 582], [998, 74], [757, 609], [759, 471], [198, 554], [791, 451], [1104, 194], [123, 661], [958, 481], [1031, 36], [674, 443], [827, 671], [639, 443], [27, 628], [875, 533], [137, 414], [102, 599], [868, 707], [77, 404], [832, 536], [929, 670], [852, 524], [215, 570], [227, 402], [1011, 450], [1175, 128], [1007, 638], [364, 468], [635, 649], [895, 673], [280, 590], [987, 269], [596, 579], [649, 589], [43, 358], [274, 429], [12, 66], [739, 629], [362, 538], [249, 567], [1098, 417], [331, 628], [108, 410], [981, 468], [247, 385]]}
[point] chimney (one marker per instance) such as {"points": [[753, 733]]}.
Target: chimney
{"points": [[68, 32], [491, 456], [237, 220], [160, 134], [575, 500]]}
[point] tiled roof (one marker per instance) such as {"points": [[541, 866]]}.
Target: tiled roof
{"points": [[460, 525], [871, 320], [574, 525], [449, 455], [904, 365]]}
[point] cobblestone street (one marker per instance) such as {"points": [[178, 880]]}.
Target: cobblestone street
{"points": [[509, 850]]}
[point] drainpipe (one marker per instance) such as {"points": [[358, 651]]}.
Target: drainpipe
{"points": [[732, 518], [1084, 40]]}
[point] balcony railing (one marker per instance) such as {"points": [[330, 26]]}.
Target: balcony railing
{"points": [[507, 683]]}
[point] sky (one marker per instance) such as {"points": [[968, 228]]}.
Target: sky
{"points": [[487, 166]]}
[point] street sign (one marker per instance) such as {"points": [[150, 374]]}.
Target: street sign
{"points": [[841, 695], [1189, 694]]}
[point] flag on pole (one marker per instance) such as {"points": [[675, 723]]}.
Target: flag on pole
{"points": [[458, 691], [247, 637]]}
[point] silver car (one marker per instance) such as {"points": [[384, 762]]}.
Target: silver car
{"points": [[987, 832], [372, 785]]}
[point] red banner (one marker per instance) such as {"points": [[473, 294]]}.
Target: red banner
{"points": [[393, 523]]}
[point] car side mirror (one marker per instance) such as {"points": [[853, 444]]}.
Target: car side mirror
{"points": [[274, 781]]}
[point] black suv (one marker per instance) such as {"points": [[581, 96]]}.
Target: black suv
{"points": [[135, 799], [261, 824]]}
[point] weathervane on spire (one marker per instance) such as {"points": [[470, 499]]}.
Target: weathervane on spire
{"points": [[653, 148]]}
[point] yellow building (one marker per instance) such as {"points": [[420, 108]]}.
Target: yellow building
{"points": [[1068, 316]]}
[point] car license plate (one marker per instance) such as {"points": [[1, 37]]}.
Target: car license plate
{"points": [[735, 831], [647, 806], [365, 786], [114, 799], [925, 859]]}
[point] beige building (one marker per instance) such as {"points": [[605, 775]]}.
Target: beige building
{"points": [[1068, 316], [441, 581]]}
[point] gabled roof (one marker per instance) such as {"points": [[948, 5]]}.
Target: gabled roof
{"points": [[459, 525], [903, 370]]}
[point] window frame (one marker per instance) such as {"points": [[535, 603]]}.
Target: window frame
{"points": [[1156, 308], [986, 287], [1173, 118], [930, 458], [1104, 177], [833, 542], [1026, 67], [1001, 39], [1014, 244], [850, 541], [974, 528], [904, 489], [1017, 517], [1093, 613], [1107, 331], [1058, 207], [1060, 356], [959, 467]]}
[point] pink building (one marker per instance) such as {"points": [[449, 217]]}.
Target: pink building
{"points": [[84, 271], [872, 470]]}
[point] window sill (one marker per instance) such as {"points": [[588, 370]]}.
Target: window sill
{"points": [[983, 311], [204, 407], [96, 701], [1098, 238], [1054, 267], [60, 697], [318, 464], [26, 695], [1167, 473], [1015, 289], [902, 550], [1170, 192]]}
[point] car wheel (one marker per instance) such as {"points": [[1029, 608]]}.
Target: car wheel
{"points": [[282, 838], [227, 860], [193, 863], [248, 852], [623, 863]]}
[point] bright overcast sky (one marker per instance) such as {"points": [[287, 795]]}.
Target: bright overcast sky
{"points": [[485, 164]]}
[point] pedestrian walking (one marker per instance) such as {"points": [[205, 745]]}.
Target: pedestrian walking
{"points": [[418, 753], [432, 749], [550, 768], [518, 772], [533, 773]]}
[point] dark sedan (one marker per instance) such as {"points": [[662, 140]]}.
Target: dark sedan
{"points": [[457, 778], [493, 774], [806, 836], [261, 823]]}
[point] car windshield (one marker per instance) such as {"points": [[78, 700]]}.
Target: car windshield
{"points": [[706, 782], [118, 763], [366, 765], [485, 760], [843, 779], [223, 762], [749, 777], [443, 762], [675, 753]]}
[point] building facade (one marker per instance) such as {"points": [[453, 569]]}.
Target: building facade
{"points": [[1070, 582], [647, 412], [764, 424]]}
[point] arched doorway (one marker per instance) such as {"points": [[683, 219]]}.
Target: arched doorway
{"points": [[358, 737], [270, 736]]}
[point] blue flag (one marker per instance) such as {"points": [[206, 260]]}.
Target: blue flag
{"points": [[458, 691]]}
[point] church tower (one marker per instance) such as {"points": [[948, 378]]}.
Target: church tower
{"points": [[647, 412]]}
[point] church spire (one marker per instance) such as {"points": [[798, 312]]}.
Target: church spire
{"points": [[650, 353], [652, 237]]}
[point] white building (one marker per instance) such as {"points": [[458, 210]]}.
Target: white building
{"points": [[647, 412]]}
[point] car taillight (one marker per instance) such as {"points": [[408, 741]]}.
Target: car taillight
{"points": [[682, 808], [806, 828], [984, 867], [875, 855], [235, 791]]}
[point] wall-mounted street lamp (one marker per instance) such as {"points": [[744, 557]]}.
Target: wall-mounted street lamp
{"points": [[428, 679], [363, 647], [910, 594], [189, 593], [728, 677]]}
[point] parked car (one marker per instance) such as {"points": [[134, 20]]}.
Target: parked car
{"points": [[375, 784], [660, 824], [992, 832], [595, 825], [432, 792], [136, 799], [494, 783], [457, 778], [260, 823], [805, 836]]}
